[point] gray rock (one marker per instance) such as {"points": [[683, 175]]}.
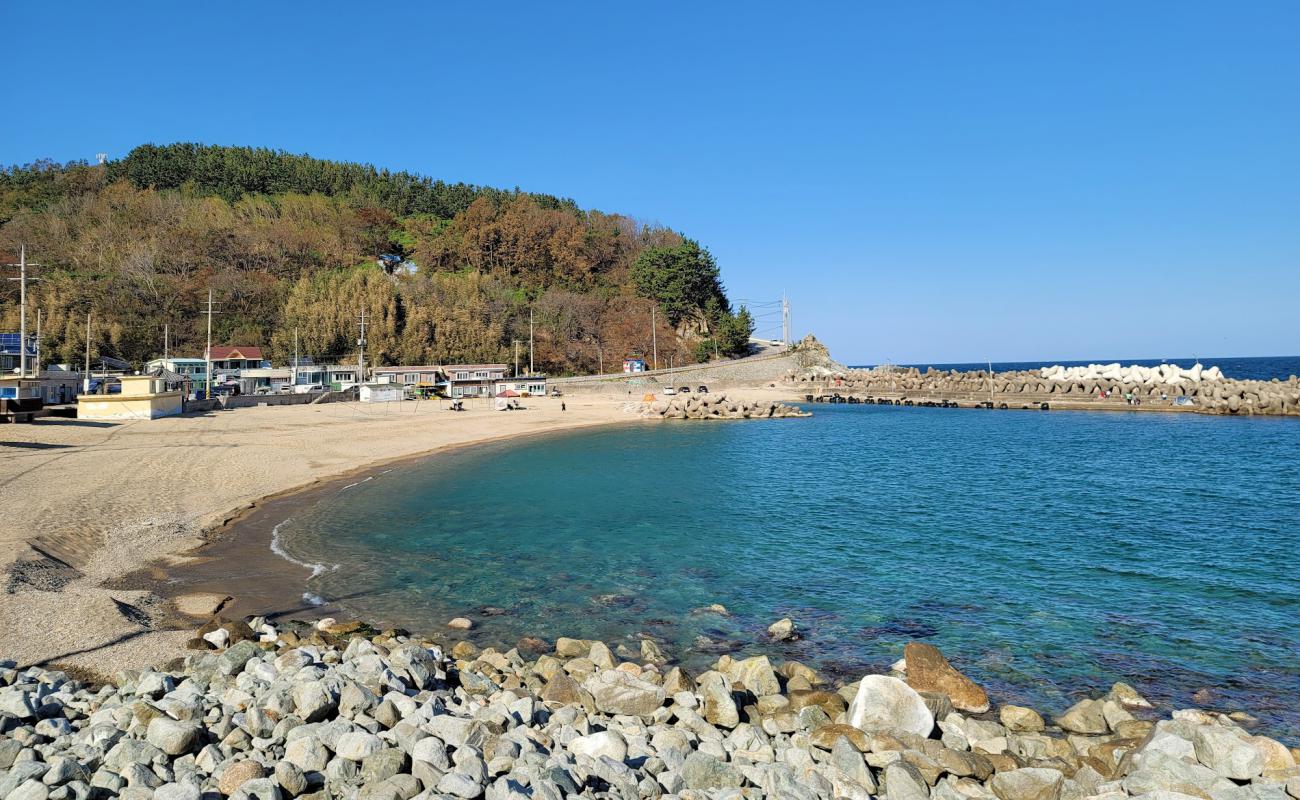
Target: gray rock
{"points": [[1030, 783], [382, 764], [257, 789], [883, 703], [1226, 753], [290, 777], [313, 701], [172, 737], [703, 771], [459, 785], [232, 661], [130, 751], [1157, 771], [756, 674], [17, 703], [618, 692], [783, 630], [1086, 717], [177, 791], [719, 706], [31, 789], [431, 750], [851, 765], [307, 753], [904, 782], [356, 745]]}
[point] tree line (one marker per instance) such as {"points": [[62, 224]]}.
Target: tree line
{"points": [[288, 244]]}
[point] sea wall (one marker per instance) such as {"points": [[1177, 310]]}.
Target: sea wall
{"points": [[1166, 387], [718, 406], [267, 712]]}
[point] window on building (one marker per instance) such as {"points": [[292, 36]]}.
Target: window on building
{"points": [[462, 376]]}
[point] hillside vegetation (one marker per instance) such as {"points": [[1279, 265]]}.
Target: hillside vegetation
{"points": [[289, 243]]}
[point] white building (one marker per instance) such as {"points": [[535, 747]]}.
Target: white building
{"points": [[381, 392]]}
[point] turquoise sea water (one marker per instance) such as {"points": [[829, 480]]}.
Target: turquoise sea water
{"points": [[1047, 553]]}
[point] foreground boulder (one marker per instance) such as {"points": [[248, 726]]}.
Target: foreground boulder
{"points": [[883, 703], [929, 671]]}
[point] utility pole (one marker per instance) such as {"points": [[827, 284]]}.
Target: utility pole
{"points": [[785, 320], [22, 311], [516, 358], [22, 308], [530, 341], [207, 354], [85, 383], [293, 381], [361, 364], [654, 336], [37, 371], [166, 343]]}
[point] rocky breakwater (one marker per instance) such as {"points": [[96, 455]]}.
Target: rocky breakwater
{"points": [[719, 406], [1198, 388], [338, 711]]}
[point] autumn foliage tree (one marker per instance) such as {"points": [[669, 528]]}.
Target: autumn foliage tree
{"points": [[288, 243]]}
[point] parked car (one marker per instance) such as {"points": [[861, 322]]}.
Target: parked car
{"points": [[308, 388], [669, 390], [284, 388], [702, 390], [684, 390], [263, 390]]}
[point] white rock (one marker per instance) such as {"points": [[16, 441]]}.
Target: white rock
{"points": [[217, 638], [356, 745], [1227, 753], [885, 703], [604, 743]]}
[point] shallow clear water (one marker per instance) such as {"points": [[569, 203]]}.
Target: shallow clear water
{"points": [[1047, 553]]}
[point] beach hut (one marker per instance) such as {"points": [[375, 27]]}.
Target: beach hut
{"points": [[381, 392]]}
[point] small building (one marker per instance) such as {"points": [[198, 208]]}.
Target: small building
{"points": [[196, 369], [381, 392], [335, 377], [20, 398], [473, 380], [522, 386], [11, 352], [234, 359], [631, 365], [142, 397], [250, 380], [419, 377]]}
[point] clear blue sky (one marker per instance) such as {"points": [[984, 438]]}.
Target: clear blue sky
{"points": [[942, 181]]}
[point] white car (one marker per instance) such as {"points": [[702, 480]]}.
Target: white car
{"points": [[669, 390]]}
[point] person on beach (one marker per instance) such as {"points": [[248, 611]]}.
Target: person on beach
{"points": [[561, 405]]}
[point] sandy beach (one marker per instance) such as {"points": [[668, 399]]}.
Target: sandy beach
{"points": [[110, 499]]}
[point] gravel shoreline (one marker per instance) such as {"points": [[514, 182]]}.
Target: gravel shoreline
{"points": [[262, 711]]}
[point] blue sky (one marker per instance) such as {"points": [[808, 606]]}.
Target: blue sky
{"points": [[942, 181]]}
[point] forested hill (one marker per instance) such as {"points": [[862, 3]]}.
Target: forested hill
{"points": [[291, 243]]}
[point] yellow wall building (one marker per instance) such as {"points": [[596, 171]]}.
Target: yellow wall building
{"points": [[142, 397]]}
